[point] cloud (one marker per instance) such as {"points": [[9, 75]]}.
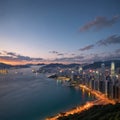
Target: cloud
{"points": [[94, 57], [53, 52], [114, 39], [57, 53], [73, 54], [99, 23], [11, 53], [86, 47], [14, 56], [69, 59], [37, 59], [82, 58], [89, 58], [117, 50], [60, 54], [105, 56]]}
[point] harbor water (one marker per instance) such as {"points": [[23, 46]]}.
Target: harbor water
{"points": [[32, 96]]}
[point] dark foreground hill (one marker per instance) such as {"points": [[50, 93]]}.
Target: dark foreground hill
{"points": [[97, 112]]}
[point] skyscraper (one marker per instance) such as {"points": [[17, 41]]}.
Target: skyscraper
{"points": [[103, 71], [102, 86], [112, 69], [80, 70], [103, 68]]}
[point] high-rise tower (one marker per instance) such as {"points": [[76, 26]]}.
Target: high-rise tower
{"points": [[103, 68], [80, 70], [102, 79], [113, 79], [103, 71], [112, 69]]}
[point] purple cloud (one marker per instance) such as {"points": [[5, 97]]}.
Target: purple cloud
{"points": [[73, 54], [99, 23], [60, 54], [57, 53], [114, 39], [87, 47], [54, 52], [11, 53], [69, 59], [89, 58], [117, 50], [14, 56], [101, 57]]}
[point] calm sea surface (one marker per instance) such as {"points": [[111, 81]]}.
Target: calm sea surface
{"points": [[28, 96]]}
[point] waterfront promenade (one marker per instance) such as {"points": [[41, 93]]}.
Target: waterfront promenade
{"points": [[101, 100]]}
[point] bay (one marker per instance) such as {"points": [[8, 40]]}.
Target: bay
{"points": [[28, 96]]}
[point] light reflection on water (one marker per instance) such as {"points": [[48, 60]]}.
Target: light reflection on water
{"points": [[27, 96]]}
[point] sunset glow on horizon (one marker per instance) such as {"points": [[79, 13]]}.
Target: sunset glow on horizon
{"points": [[50, 31]]}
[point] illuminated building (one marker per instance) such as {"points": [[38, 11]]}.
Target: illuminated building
{"points": [[103, 71], [80, 69], [118, 74], [96, 80], [3, 71], [112, 69], [103, 68], [102, 79], [72, 75], [106, 87]]}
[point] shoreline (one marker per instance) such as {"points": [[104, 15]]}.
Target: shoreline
{"points": [[101, 100]]}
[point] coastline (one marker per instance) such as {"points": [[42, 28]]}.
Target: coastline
{"points": [[101, 100]]}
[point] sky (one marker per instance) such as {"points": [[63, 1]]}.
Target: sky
{"points": [[64, 31]]}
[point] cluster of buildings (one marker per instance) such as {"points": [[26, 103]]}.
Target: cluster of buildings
{"points": [[3, 71], [107, 81]]}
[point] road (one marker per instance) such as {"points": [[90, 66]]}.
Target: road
{"points": [[101, 100]]}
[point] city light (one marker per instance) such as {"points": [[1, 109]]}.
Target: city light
{"points": [[105, 87], [101, 100]]}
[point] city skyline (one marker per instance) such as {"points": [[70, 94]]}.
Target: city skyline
{"points": [[65, 31]]}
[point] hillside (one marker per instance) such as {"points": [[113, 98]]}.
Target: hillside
{"points": [[98, 112], [56, 65], [6, 66], [87, 66], [98, 64]]}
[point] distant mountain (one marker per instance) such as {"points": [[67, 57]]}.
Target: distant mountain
{"points": [[22, 66], [7, 66], [40, 64], [85, 66], [55, 65], [73, 65], [98, 64]]}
